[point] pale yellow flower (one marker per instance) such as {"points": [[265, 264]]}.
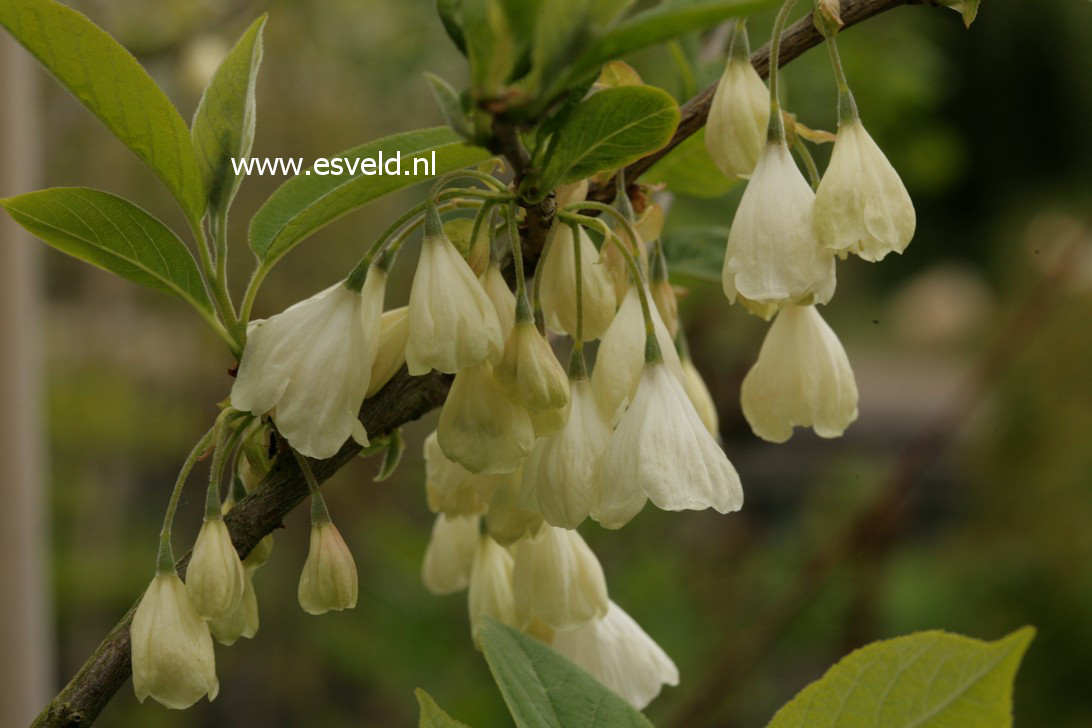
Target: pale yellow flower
{"points": [[450, 554], [329, 579], [214, 577], [530, 372], [738, 117], [557, 580]]}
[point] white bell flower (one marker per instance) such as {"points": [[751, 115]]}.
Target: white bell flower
{"points": [[621, 655], [452, 321], [510, 517], [559, 474], [621, 355], [549, 422], [861, 205], [530, 372], [490, 589], [557, 580], [802, 377], [311, 365], [772, 255], [661, 451], [173, 659], [450, 488], [391, 353], [329, 579], [558, 286], [243, 621], [738, 118], [481, 428], [450, 554], [214, 577]]}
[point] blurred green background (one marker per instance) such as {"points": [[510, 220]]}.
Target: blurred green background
{"points": [[989, 129]]}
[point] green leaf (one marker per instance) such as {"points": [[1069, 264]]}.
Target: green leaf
{"points": [[490, 46], [689, 171], [451, 106], [432, 715], [924, 679], [223, 126], [607, 130], [545, 690], [696, 253], [113, 234], [106, 79], [306, 203], [451, 18]]}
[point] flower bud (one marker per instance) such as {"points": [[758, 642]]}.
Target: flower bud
{"points": [[452, 322], [530, 372], [214, 578], [738, 117], [510, 517], [243, 622], [481, 428], [450, 488], [490, 591], [391, 354], [773, 255], [504, 301], [557, 579], [260, 553], [450, 554], [802, 377], [173, 659], [558, 287], [329, 580], [861, 205]]}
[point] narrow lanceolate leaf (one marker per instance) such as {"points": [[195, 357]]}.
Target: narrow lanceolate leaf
{"points": [[607, 130], [113, 234], [689, 171], [223, 127], [307, 202], [451, 106], [545, 690], [432, 715], [106, 78], [924, 679]]}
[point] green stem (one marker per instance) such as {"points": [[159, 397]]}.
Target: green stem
{"points": [[165, 556], [468, 174], [523, 306], [484, 216], [809, 161], [847, 105], [220, 241], [226, 441], [776, 132], [578, 266], [319, 513], [536, 293], [219, 290], [740, 48]]}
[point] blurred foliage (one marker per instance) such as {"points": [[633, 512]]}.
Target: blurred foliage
{"points": [[989, 130]]}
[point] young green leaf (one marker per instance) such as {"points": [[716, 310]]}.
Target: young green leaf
{"points": [[392, 456], [106, 79], [451, 106], [696, 253], [490, 45], [223, 126], [113, 234], [450, 12], [607, 130], [544, 690], [307, 202], [432, 715], [689, 171], [924, 679]]}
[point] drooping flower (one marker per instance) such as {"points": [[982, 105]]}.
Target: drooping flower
{"points": [[490, 591], [329, 579], [504, 302], [557, 580], [861, 205], [214, 578], [667, 304], [699, 396], [621, 655], [530, 372], [622, 355], [173, 659], [802, 377], [549, 422], [773, 256], [452, 322], [481, 428], [559, 474], [510, 517], [450, 488], [243, 621], [391, 353], [661, 451], [450, 554], [738, 116], [558, 287], [311, 365]]}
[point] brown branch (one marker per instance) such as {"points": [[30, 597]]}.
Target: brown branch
{"points": [[799, 37], [404, 399]]}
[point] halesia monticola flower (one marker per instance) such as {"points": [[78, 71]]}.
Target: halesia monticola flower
{"points": [[622, 354], [391, 354], [559, 474], [509, 518], [530, 372], [173, 659], [452, 322], [661, 451], [243, 621], [450, 554], [621, 655], [481, 428], [802, 377], [558, 287], [700, 397], [490, 592], [861, 205], [214, 578], [450, 488], [504, 301], [329, 580], [738, 118], [311, 365], [773, 256], [557, 580]]}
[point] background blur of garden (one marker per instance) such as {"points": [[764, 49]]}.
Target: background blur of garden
{"points": [[990, 131]]}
